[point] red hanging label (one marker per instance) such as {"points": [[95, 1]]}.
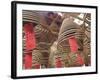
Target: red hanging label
{"points": [[37, 66], [28, 61], [30, 36], [58, 62], [79, 60], [74, 47], [73, 44]]}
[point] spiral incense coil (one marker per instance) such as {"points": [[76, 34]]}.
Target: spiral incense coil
{"points": [[36, 56], [68, 29], [39, 30], [42, 37], [82, 35], [43, 43], [40, 56], [30, 16]]}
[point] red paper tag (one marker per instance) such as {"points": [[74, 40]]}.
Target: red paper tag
{"points": [[37, 66], [74, 47], [79, 60], [28, 61], [30, 36], [58, 63], [73, 44]]}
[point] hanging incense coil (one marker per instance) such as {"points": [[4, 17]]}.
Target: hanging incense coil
{"points": [[68, 29], [40, 56], [39, 29], [36, 56], [87, 39], [30, 16], [82, 34]]}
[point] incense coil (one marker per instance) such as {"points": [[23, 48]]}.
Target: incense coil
{"points": [[68, 29], [40, 30], [40, 56], [30, 16]]}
